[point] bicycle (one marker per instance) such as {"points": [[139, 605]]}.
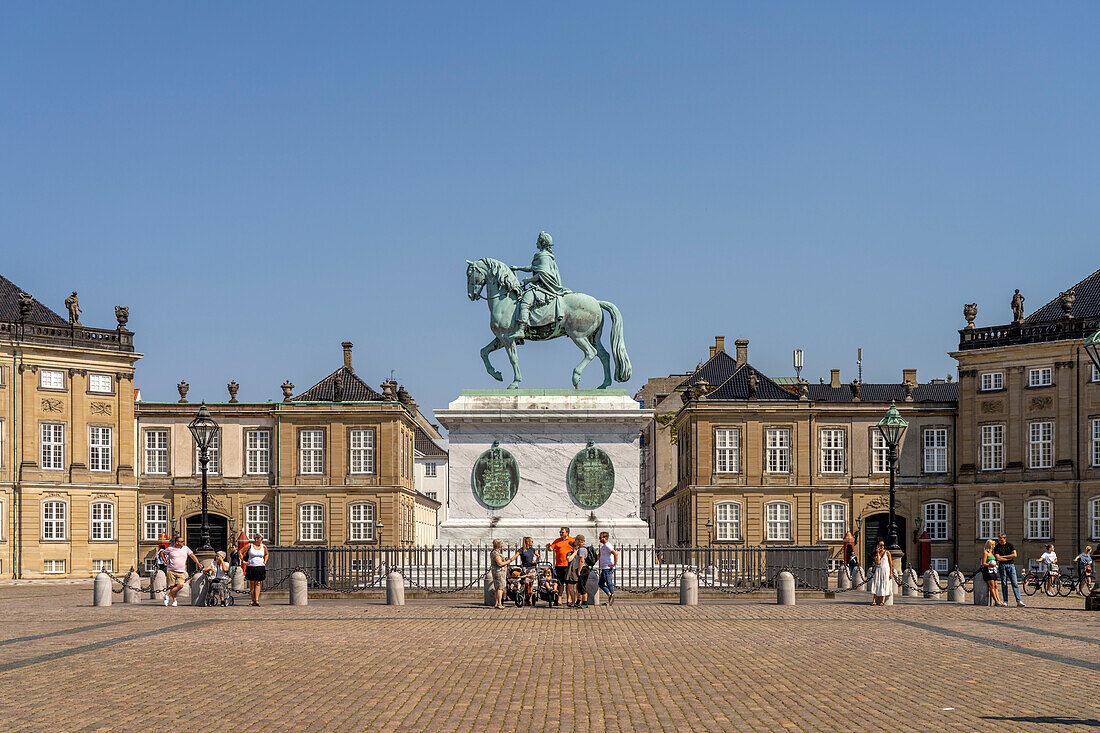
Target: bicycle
{"points": [[1082, 585], [1033, 581]]}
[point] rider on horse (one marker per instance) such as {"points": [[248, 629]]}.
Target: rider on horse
{"points": [[543, 288]]}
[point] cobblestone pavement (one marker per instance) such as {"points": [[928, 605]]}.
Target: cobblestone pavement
{"points": [[447, 664]]}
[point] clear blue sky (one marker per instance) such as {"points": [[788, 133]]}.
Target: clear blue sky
{"points": [[260, 181]]}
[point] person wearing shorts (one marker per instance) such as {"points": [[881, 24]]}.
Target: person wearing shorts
{"points": [[561, 547], [177, 556]]}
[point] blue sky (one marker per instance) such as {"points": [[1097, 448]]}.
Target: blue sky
{"points": [[260, 181]]}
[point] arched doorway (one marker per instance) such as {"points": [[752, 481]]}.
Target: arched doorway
{"points": [[876, 527], [219, 532]]}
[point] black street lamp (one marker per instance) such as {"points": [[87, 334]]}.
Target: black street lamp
{"points": [[204, 429], [892, 426], [1092, 348]]}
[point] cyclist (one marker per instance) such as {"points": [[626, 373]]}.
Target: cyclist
{"points": [[1048, 566], [1084, 571]]}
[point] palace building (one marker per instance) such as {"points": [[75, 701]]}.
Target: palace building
{"points": [[69, 490], [733, 457]]}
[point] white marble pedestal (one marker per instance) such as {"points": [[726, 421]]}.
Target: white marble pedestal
{"points": [[543, 430]]}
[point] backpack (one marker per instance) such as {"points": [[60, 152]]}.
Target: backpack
{"points": [[592, 557]]}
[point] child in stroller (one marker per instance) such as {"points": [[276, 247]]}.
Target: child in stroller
{"points": [[218, 571], [516, 586], [548, 589]]}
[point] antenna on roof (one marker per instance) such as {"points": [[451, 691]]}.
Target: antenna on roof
{"points": [[859, 363], [798, 364]]}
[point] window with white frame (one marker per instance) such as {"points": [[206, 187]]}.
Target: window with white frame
{"points": [[429, 470], [880, 453], [155, 522], [54, 516], [992, 381], [53, 566], [833, 564], [103, 521], [1040, 377], [993, 447], [1095, 374], [727, 450], [258, 449], [939, 564], [102, 383], [150, 565], [156, 451], [1041, 444], [834, 518], [990, 519], [935, 450], [778, 450], [214, 453], [778, 515], [361, 523], [432, 495], [103, 566], [311, 451], [832, 450], [727, 521], [362, 451], [1094, 517], [1094, 443], [311, 523], [52, 379], [257, 520], [53, 445], [99, 448], [935, 520], [1037, 519]]}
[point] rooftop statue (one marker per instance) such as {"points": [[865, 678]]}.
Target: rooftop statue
{"points": [[539, 308]]}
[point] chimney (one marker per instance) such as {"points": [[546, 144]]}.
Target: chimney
{"points": [[834, 378], [713, 349], [742, 351], [719, 343], [909, 375], [347, 356]]}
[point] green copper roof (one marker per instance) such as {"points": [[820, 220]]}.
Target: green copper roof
{"points": [[892, 419]]}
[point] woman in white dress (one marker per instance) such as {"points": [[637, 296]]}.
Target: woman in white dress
{"points": [[882, 585]]}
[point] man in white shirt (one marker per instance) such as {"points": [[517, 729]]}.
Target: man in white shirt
{"points": [[609, 558], [177, 555]]}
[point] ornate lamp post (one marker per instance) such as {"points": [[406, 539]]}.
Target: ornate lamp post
{"points": [[892, 426], [204, 429], [1092, 348]]}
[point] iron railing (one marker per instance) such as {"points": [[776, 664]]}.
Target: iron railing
{"points": [[640, 568]]}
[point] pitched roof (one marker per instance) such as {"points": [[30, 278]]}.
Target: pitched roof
{"points": [[933, 392], [427, 447], [355, 389], [737, 387], [9, 306], [716, 370], [1086, 304]]}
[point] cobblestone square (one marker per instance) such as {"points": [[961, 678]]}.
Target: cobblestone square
{"points": [[449, 664]]}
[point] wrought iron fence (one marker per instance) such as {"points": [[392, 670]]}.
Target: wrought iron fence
{"points": [[641, 568]]}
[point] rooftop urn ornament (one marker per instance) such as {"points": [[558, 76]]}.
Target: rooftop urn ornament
{"points": [[1067, 299], [803, 389], [856, 386], [540, 308], [337, 389], [122, 315], [73, 304], [970, 312], [288, 390], [26, 303], [909, 387], [403, 395], [700, 389], [389, 390], [233, 387], [182, 388], [754, 385], [1017, 307]]}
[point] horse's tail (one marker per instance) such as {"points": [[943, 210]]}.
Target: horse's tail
{"points": [[618, 348]]}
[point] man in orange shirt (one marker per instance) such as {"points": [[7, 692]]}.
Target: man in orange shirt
{"points": [[561, 547]]}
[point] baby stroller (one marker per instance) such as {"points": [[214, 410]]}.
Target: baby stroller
{"points": [[545, 587], [515, 587]]}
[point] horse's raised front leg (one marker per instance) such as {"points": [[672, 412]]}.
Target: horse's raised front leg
{"points": [[589, 350], [513, 356], [485, 351]]}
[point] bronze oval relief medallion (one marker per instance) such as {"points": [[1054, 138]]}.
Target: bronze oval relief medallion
{"points": [[591, 477], [496, 477]]}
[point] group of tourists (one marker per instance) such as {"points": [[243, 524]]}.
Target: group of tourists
{"points": [[997, 563], [172, 560], [574, 561]]}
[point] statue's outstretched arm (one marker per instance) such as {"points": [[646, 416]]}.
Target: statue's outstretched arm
{"points": [[521, 268]]}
